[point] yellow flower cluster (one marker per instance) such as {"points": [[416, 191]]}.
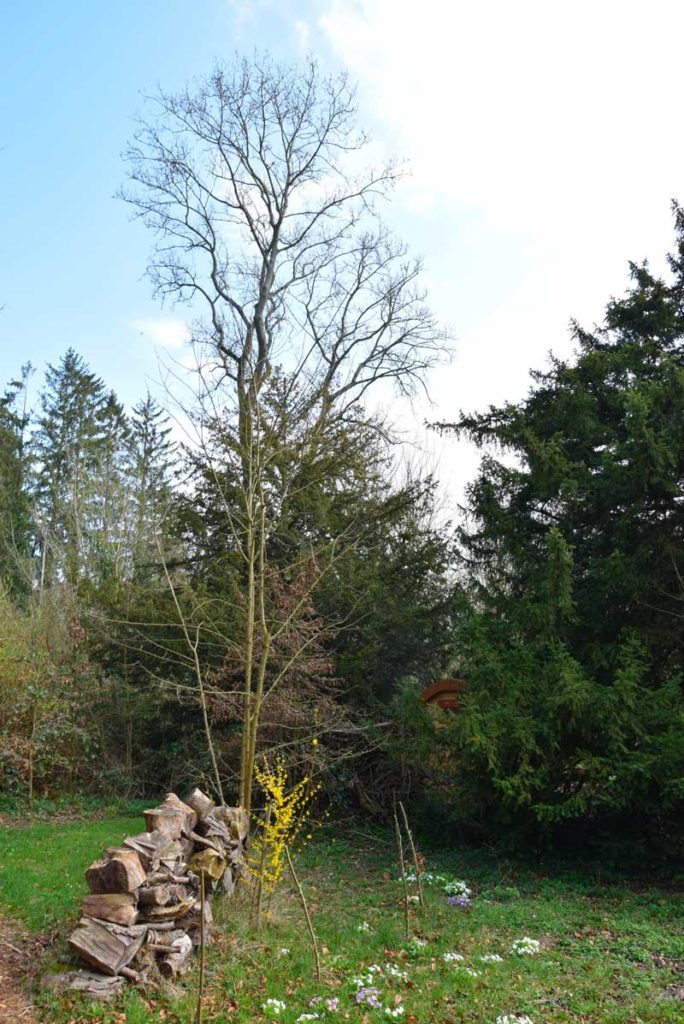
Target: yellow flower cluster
{"points": [[287, 813]]}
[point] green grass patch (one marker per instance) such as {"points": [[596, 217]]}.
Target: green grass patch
{"points": [[609, 953], [42, 866]]}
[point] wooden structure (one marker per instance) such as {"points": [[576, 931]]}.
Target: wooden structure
{"points": [[445, 693]]}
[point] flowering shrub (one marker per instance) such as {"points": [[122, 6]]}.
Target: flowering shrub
{"points": [[525, 946], [289, 811]]}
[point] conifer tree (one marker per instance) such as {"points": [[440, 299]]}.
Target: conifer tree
{"points": [[15, 534], [67, 448]]}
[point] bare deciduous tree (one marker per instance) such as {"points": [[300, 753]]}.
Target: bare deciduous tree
{"points": [[265, 215]]}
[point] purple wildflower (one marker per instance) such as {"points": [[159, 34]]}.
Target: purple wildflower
{"points": [[459, 901], [369, 995]]}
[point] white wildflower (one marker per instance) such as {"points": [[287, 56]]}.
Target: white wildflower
{"points": [[514, 1018], [525, 946], [457, 887], [392, 971], [450, 958], [307, 1016], [491, 958], [284, 951], [273, 1007], [396, 1011], [363, 927]]}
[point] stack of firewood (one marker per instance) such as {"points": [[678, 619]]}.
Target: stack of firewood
{"points": [[144, 912]]}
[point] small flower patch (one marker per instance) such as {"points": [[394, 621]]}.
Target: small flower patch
{"points": [[273, 1007], [525, 946]]}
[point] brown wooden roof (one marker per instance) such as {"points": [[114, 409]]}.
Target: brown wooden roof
{"points": [[446, 693]]}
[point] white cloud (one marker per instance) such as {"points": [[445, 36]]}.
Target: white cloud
{"points": [[163, 332], [544, 146]]}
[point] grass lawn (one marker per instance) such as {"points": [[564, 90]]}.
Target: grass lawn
{"points": [[608, 953]]}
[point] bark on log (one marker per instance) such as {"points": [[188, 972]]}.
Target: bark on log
{"points": [[118, 907], [119, 871]]}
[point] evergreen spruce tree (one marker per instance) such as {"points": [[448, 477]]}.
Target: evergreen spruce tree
{"points": [[67, 450], [152, 456], [573, 638], [15, 519]]}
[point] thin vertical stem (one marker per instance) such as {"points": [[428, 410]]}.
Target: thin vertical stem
{"points": [[200, 989], [262, 864], [302, 897], [400, 847], [413, 852]]}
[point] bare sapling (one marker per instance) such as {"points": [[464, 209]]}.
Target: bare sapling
{"points": [[413, 852], [402, 866], [307, 915]]}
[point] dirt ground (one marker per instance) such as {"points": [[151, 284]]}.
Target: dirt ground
{"points": [[16, 959]]}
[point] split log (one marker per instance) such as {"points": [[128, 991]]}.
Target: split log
{"points": [[175, 804], [168, 820], [151, 915], [137, 977], [150, 846], [165, 876], [210, 844], [106, 947], [118, 907], [187, 847], [211, 827], [191, 922], [209, 862], [118, 871], [228, 882], [178, 960], [200, 803], [162, 895], [101, 986], [236, 819]]}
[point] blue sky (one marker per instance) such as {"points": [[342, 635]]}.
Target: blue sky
{"points": [[542, 139], [72, 78]]}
